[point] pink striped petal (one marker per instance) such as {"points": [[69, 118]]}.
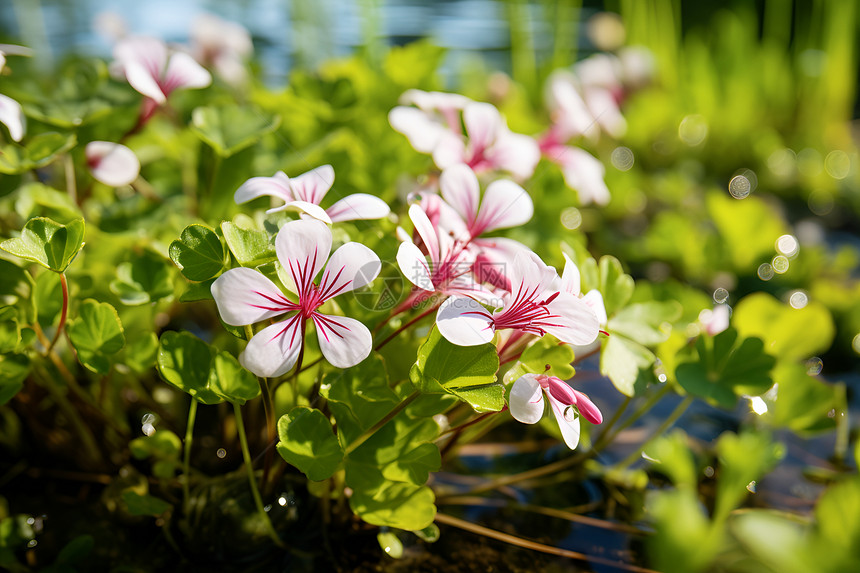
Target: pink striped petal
{"points": [[143, 61], [12, 116], [351, 267], [603, 106], [571, 116], [143, 82], [526, 400], [313, 185], [244, 296], [568, 422], [358, 206], [273, 351], [276, 186], [413, 265], [111, 163], [303, 247], [505, 204], [529, 276], [459, 186], [343, 341], [464, 322], [572, 320]]}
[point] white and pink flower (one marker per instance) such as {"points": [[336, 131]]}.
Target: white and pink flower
{"points": [[535, 305], [155, 71], [567, 405], [112, 163], [12, 116], [305, 193], [244, 296]]}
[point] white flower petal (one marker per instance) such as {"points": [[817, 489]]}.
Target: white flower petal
{"points": [[603, 106], [245, 296], [413, 265], [273, 351], [111, 163], [464, 322], [568, 422], [12, 116], [526, 401], [426, 231], [530, 276], [351, 267], [310, 209], [313, 185], [505, 204], [483, 122], [516, 153], [303, 248], [572, 320], [450, 150], [143, 82], [584, 173], [343, 341], [570, 277], [184, 72], [277, 186], [460, 189], [594, 300], [422, 131], [358, 206]]}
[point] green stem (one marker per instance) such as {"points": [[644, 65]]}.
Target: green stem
{"points": [[387, 418], [667, 423], [63, 313], [186, 460], [645, 407], [258, 501], [71, 185]]}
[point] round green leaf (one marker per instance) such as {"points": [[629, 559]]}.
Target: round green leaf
{"points": [[400, 505], [229, 130], [48, 243], [198, 253], [185, 362], [146, 278], [96, 334], [250, 246], [14, 368], [468, 372], [228, 379], [308, 442]]}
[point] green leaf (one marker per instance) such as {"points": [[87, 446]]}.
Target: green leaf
{"points": [[197, 291], [184, 361], [140, 354], [144, 504], [648, 323], [16, 290], [621, 360], [308, 442], [96, 334], [749, 228], [400, 505], [803, 402], [250, 246], [10, 331], [545, 351], [38, 151], [743, 459], [468, 372], [231, 129], [76, 550], [14, 369], [198, 253], [163, 445], [838, 524], [146, 278], [48, 243], [615, 286], [673, 457], [789, 333], [230, 380], [48, 297], [726, 368], [390, 544]]}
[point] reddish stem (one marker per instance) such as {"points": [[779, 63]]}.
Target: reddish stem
{"points": [[63, 314]]}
